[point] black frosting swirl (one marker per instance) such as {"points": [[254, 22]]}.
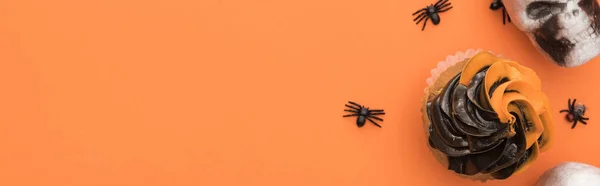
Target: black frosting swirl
{"points": [[465, 127]]}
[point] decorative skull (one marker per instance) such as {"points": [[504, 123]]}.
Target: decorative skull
{"points": [[570, 174], [564, 30]]}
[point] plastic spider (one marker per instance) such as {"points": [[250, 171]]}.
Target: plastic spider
{"points": [[363, 114], [432, 11], [575, 113], [497, 4]]}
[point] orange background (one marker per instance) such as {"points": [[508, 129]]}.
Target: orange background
{"points": [[224, 92]]}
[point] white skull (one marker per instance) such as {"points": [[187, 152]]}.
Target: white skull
{"points": [[564, 30], [570, 174]]}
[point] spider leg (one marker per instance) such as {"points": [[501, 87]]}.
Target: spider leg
{"points": [[375, 117], [440, 2], [372, 114], [375, 110], [565, 110], [374, 122], [350, 115], [575, 123], [442, 6], [507, 16], [503, 16], [424, 24], [440, 11], [352, 107], [423, 9], [420, 16], [348, 110], [359, 106], [580, 120], [437, 2], [573, 104]]}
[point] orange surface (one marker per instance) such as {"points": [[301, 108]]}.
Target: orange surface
{"points": [[223, 92]]}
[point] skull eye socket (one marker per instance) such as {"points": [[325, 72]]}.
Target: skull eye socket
{"points": [[541, 9], [585, 3]]}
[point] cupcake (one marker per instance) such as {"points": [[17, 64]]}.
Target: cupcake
{"points": [[485, 117]]}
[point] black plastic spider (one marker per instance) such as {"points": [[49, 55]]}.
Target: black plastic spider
{"points": [[432, 11], [363, 114], [576, 112], [497, 4]]}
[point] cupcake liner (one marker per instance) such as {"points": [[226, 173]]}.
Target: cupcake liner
{"points": [[451, 60]]}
